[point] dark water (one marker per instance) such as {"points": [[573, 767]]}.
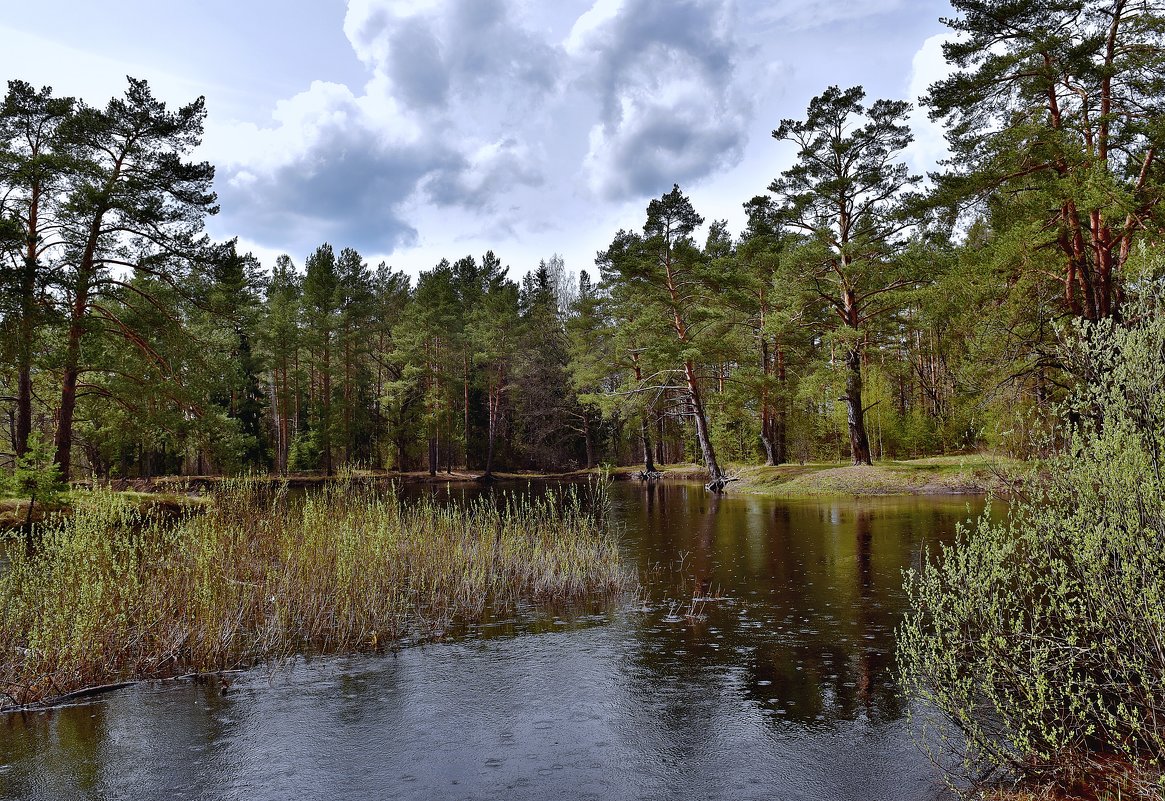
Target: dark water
{"points": [[782, 688]]}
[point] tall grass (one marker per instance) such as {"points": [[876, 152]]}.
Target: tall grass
{"points": [[112, 595]]}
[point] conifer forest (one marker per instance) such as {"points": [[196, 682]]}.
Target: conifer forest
{"points": [[862, 313]]}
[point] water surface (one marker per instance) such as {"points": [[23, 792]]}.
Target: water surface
{"points": [[780, 684]]}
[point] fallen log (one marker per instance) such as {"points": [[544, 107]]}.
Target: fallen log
{"points": [[718, 483]]}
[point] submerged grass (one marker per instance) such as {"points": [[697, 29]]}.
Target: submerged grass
{"points": [[113, 595]]}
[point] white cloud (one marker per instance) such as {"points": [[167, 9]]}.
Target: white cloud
{"points": [[929, 146], [589, 24], [670, 106], [799, 15], [435, 124], [527, 126], [488, 174]]}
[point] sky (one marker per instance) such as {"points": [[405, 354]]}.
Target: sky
{"points": [[414, 130]]}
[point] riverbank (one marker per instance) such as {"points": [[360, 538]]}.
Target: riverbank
{"points": [[968, 474], [171, 496], [972, 474], [157, 503]]}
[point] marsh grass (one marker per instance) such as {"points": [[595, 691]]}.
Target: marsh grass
{"points": [[113, 595]]}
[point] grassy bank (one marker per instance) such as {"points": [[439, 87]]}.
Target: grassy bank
{"points": [[936, 475], [113, 595]]}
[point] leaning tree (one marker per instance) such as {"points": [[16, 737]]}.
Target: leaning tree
{"points": [[660, 274]]}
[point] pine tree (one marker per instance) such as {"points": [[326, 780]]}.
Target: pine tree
{"points": [[1056, 112], [847, 194], [34, 161], [321, 288], [132, 202]]}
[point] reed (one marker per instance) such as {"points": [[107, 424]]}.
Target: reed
{"points": [[113, 595]]}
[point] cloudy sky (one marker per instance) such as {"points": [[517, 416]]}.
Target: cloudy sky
{"points": [[417, 129]]}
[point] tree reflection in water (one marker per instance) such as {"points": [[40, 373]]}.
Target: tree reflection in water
{"points": [[783, 686]]}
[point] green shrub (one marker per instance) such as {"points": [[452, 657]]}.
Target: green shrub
{"points": [[35, 475], [305, 452], [1041, 639]]}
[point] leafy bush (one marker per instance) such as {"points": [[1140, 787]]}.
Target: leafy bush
{"points": [[1041, 639]]}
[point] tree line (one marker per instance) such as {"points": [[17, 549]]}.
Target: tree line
{"points": [[863, 312]]}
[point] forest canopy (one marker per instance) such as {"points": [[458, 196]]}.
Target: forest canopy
{"points": [[863, 313]]}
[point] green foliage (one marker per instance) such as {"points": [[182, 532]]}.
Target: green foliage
{"points": [[306, 451], [1053, 112], [1041, 638], [35, 475], [848, 196]]}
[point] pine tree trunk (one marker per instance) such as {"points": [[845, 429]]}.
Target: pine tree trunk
{"points": [[72, 367], [23, 428], [276, 427], [69, 378], [23, 425], [780, 435], [449, 451], [27, 330], [348, 443], [465, 408], [645, 436], [765, 411], [766, 439], [716, 477], [284, 427], [855, 416], [590, 445], [326, 406], [492, 403]]}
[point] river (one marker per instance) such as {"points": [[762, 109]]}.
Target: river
{"points": [[781, 685]]}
